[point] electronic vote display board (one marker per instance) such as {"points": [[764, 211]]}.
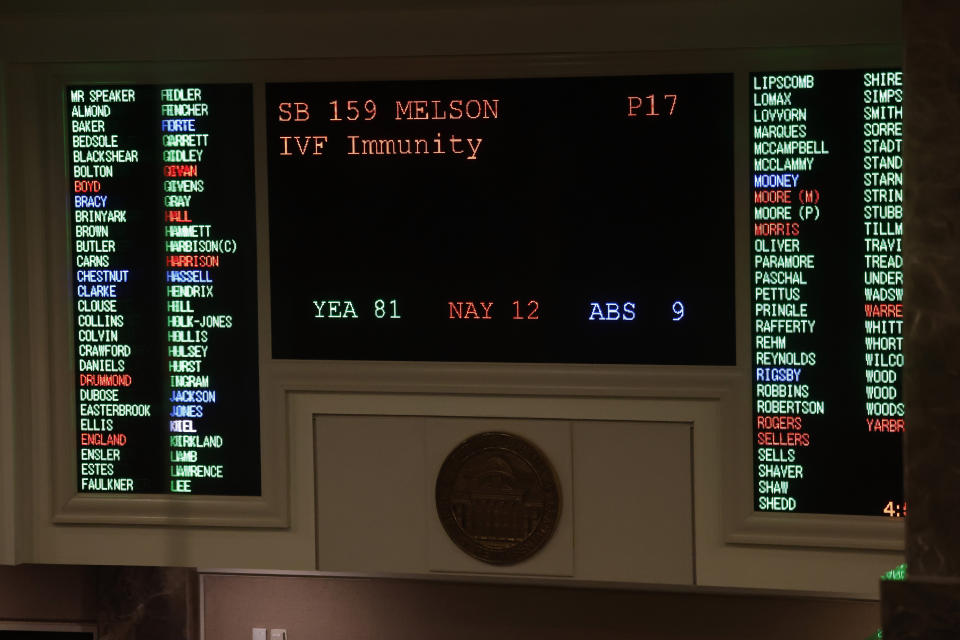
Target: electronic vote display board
{"points": [[165, 298], [567, 220], [827, 291], [570, 220]]}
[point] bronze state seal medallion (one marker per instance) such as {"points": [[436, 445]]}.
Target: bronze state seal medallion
{"points": [[498, 498]]}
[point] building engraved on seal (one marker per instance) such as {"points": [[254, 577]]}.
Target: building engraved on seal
{"points": [[498, 498]]}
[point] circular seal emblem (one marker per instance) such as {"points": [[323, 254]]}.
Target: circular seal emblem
{"points": [[498, 498]]}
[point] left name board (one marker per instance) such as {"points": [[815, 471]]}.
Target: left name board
{"points": [[163, 247]]}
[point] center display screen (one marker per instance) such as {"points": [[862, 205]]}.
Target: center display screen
{"points": [[582, 220]]}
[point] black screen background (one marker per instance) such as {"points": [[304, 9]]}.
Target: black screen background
{"points": [[568, 202], [228, 205], [847, 470]]}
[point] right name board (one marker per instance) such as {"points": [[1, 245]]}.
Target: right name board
{"points": [[826, 290]]}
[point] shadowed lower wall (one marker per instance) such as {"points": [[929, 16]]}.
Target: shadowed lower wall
{"points": [[48, 593], [368, 609]]}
